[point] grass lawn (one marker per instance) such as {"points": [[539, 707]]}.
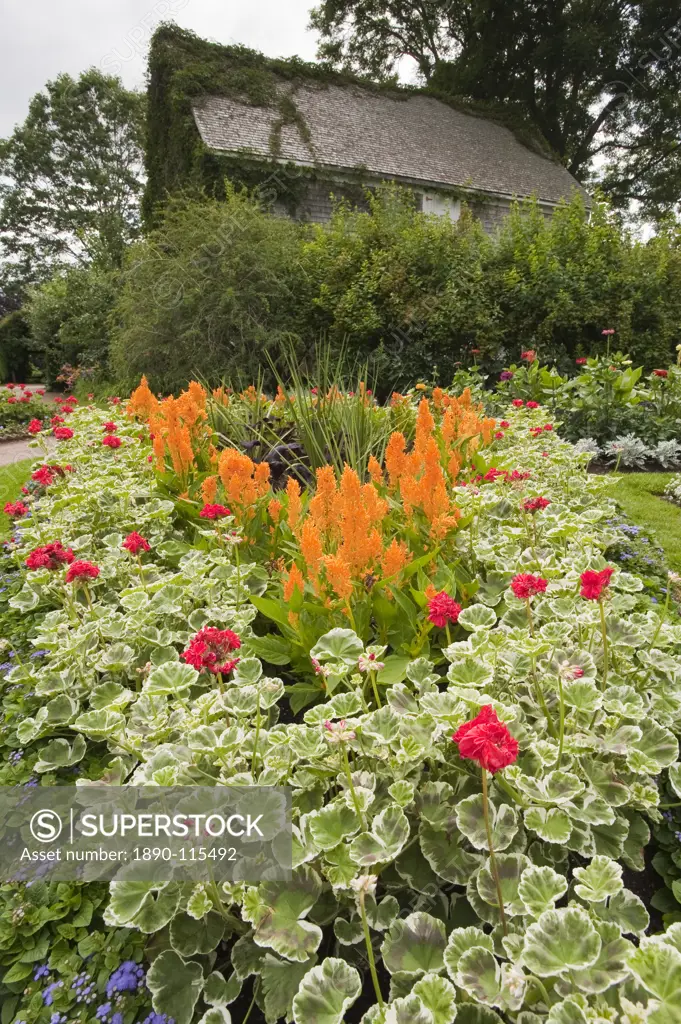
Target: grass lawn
{"points": [[12, 478], [640, 495]]}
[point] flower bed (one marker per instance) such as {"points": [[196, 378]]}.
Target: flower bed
{"points": [[18, 407], [476, 714]]}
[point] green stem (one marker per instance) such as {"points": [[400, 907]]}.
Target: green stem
{"points": [[492, 858], [561, 721], [530, 621], [604, 634], [372, 676], [257, 736], [252, 1003], [370, 951], [348, 776]]}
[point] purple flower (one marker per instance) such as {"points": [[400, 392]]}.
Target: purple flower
{"points": [[48, 998], [126, 978], [505, 375], [42, 972]]}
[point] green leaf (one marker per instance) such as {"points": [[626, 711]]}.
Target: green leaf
{"points": [[600, 879], [332, 824], [510, 867], [657, 966], [277, 911], [189, 936], [415, 944], [100, 725], [461, 940], [627, 911], [175, 986], [394, 669], [326, 992], [170, 678], [116, 658], [275, 650], [552, 825], [60, 754], [479, 974], [539, 889], [561, 940], [470, 818], [437, 995], [280, 981], [477, 617], [339, 645]]}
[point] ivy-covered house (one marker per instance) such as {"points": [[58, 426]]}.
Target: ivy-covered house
{"points": [[306, 136]]}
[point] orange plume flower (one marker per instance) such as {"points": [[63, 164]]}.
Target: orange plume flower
{"points": [[293, 581]]}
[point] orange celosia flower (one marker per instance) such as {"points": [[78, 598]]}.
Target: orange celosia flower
{"points": [[311, 547], [323, 507], [244, 481], [221, 396], [338, 576], [209, 489], [375, 471], [280, 397], [395, 558], [274, 510], [438, 397], [293, 581], [294, 505], [142, 403], [396, 459]]}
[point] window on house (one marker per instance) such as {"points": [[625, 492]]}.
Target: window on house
{"points": [[441, 205]]}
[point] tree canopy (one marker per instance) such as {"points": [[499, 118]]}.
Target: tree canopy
{"points": [[600, 78], [70, 178]]}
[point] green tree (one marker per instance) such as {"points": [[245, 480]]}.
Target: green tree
{"points": [[599, 78], [70, 178]]}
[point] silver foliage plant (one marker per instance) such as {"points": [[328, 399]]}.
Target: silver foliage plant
{"points": [[391, 858]]}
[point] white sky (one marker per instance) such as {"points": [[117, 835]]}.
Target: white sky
{"points": [[41, 38]]}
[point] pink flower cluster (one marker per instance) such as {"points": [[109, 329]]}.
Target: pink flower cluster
{"points": [[50, 556], [443, 609]]}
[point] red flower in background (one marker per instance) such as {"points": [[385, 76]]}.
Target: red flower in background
{"points": [[594, 583], [499, 435], [608, 330], [529, 356], [111, 441], [536, 504], [51, 556], [210, 649], [487, 740], [214, 511], [518, 403], [15, 510], [135, 542], [63, 433], [79, 569], [505, 424], [35, 426], [532, 404], [109, 428], [581, 361], [525, 585], [661, 373], [443, 609]]}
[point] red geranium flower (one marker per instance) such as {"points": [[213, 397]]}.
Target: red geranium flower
{"points": [[63, 433], [35, 426], [135, 542], [548, 426], [536, 431], [581, 361], [109, 428], [12, 400], [536, 504], [505, 424], [525, 585], [443, 609], [56, 420], [487, 741], [529, 356], [518, 403], [661, 373], [209, 649], [594, 583], [532, 404], [608, 330], [214, 511], [115, 400], [499, 435], [81, 568], [111, 441], [51, 556], [43, 476], [15, 510]]}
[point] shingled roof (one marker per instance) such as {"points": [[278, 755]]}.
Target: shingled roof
{"points": [[409, 137]]}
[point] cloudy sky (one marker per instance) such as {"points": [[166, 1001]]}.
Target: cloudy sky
{"points": [[40, 38]]}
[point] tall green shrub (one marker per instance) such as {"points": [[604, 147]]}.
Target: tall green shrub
{"points": [[208, 292]]}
